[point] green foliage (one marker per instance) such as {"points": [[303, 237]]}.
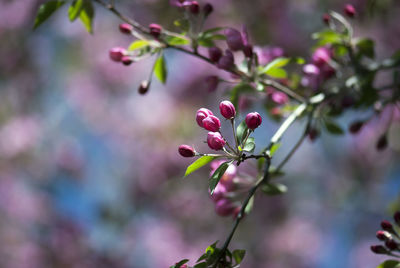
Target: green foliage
{"points": [[274, 188], [75, 9], [389, 264], [202, 161], [218, 173], [86, 15], [176, 40], [179, 264], [138, 44], [238, 255], [46, 10], [207, 38], [327, 37], [241, 131], [160, 69], [365, 47], [332, 127], [274, 148], [250, 145], [249, 206]]}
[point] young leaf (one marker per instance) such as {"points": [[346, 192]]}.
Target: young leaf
{"points": [[75, 9], [276, 73], [238, 255], [138, 44], [276, 63], [274, 148], [333, 128], [200, 265], [274, 188], [204, 160], [389, 264], [86, 15], [160, 69], [176, 40], [46, 10], [249, 206], [250, 145], [366, 47], [217, 175], [241, 131]]}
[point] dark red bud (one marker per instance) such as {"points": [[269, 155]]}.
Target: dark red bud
{"points": [[194, 7], [234, 39], [126, 60], [326, 18], [144, 87], [125, 28], [253, 120], [186, 151], [378, 249], [349, 10], [227, 61], [391, 244], [155, 30], [397, 217], [382, 235], [215, 53], [248, 50], [208, 9], [356, 126], [387, 226], [382, 143]]}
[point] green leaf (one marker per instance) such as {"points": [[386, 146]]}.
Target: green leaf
{"points": [[217, 175], [75, 9], [138, 44], [160, 69], [176, 40], [250, 145], [238, 90], [276, 73], [211, 31], [274, 188], [274, 148], [206, 42], [249, 206], [86, 15], [45, 11], [276, 63], [389, 264], [204, 160], [333, 128], [366, 47], [201, 265], [241, 131], [327, 37], [260, 164], [238, 255]]}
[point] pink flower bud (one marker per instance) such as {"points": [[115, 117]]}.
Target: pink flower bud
{"points": [[207, 9], [321, 56], [326, 18], [227, 109], [253, 120], [279, 97], [212, 123], [117, 53], [349, 10], [194, 7], [215, 140], [212, 82], [215, 53], [125, 28], [155, 30], [382, 235], [311, 69], [126, 60], [224, 207], [234, 39], [391, 244], [186, 151], [184, 266], [227, 61], [248, 50], [144, 87], [201, 115]]}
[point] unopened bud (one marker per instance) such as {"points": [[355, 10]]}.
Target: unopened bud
{"points": [[387, 226], [212, 123], [155, 30], [125, 28], [356, 126], [227, 109], [202, 114], [383, 235], [313, 134], [379, 249], [248, 50], [126, 60], [349, 10], [391, 244], [227, 61], [144, 87], [186, 151], [326, 18], [215, 140], [382, 143], [253, 120], [208, 9], [117, 53], [224, 207], [194, 7], [234, 39], [215, 53]]}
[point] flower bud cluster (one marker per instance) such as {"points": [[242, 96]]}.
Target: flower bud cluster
{"points": [[389, 236]]}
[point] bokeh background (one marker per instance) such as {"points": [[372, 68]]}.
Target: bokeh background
{"points": [[89, 170]]}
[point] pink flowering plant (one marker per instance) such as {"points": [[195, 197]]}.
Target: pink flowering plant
{"points": [[339, 76]]}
